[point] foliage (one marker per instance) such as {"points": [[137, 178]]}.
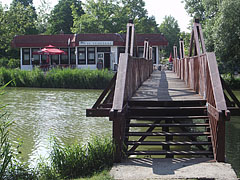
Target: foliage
{"points": [[10, 167], [78, 160], [57, 78], [111, 16], [61, 16], [9, 63], [171, 31], [17, 20], [186, 38], [232, 81], [43, 14], [221, 27], [104, 175]]}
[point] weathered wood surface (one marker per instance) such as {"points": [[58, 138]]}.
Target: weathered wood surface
{"points": [[165, 86]]}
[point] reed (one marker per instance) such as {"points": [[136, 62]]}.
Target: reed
{"points": [[79, 160], [57, 78]]}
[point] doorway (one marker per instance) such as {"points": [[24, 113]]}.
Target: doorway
{"points": [[107, 63]]}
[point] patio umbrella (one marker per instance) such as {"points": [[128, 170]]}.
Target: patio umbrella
{"points": [[49, 50], [170, 58]]}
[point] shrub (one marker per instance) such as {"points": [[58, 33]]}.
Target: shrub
{"points": [[232, 81], [79, 160], [57, 78]]}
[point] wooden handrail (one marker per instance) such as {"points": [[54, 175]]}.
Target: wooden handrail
{"points": [[132, 71], [200, 72]]}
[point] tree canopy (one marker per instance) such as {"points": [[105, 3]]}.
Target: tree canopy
{"points": [[221, 27], [61, 17], [171, 31], [17, 20], [111, 16]]}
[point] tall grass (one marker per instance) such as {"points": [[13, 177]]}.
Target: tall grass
{"points": [[57, 78], [10, 167], [78, 160]]}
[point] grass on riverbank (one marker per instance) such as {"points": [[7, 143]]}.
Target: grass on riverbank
{"points": [[57, 78], [78, 160]]}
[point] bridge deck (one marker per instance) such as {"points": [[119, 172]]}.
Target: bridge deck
{"points": [[164, 86]]}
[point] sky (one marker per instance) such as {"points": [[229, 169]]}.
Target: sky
{"points": [[157, 8]]}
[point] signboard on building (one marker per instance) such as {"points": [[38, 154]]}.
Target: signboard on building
{"points": [[95, 43]]}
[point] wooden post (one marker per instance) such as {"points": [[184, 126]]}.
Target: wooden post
{"points": [[181, 49], [146, 49]]}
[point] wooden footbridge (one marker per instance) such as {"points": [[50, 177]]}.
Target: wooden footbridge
{"points": [[167, 113]]}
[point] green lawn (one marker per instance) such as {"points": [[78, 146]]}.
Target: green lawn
{"points": [[104, 175]]}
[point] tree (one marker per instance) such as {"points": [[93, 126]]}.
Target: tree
{"points": [[111, 16], [226, 35], [221, 24], [43, 12], [171, 31], [61, 17], [17, 20]]}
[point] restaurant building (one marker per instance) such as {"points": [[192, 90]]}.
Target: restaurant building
{"points": [[82, 50]]}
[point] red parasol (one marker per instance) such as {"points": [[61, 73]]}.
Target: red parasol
{"points": [[50, 50], [170, 58]]}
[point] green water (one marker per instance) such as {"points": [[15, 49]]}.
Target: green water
{"points": [[39, 114]]}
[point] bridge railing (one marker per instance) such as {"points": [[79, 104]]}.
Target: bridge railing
{"points": [[200, 72], [132, 71]]}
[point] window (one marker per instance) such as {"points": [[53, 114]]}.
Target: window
{"points": [[103, 49], [140, 51], [55, 59], [91, 55], [26, 56], [63, 57], [72, 56], [35, 57], [82, 55], [44, 59]]}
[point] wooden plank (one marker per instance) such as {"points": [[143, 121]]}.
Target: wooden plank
{"points": [[98, 112], [191, 43], [167, 134], [166, 117], [168, 125], [118, 99], [111, 83], [175, 143], [216, 82], [169, 152]]}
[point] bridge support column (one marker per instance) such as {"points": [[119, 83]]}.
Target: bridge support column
{"points": [[119, 123]]}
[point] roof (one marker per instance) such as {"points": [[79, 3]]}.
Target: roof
{"points": [[59, 40], [66, 40]]}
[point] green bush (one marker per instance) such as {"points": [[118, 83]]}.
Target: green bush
{"points": [[57, 78], [9, 63], [232, 81], [78, 160]]}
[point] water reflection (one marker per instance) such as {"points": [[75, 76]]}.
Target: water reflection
{"points": [[41, 113]]}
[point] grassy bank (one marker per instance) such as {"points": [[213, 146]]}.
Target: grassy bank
{"points": [[93, 158], [56, 78], [78, 160]]}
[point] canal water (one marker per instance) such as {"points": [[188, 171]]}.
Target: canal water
{"points": [[40, 114]]}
